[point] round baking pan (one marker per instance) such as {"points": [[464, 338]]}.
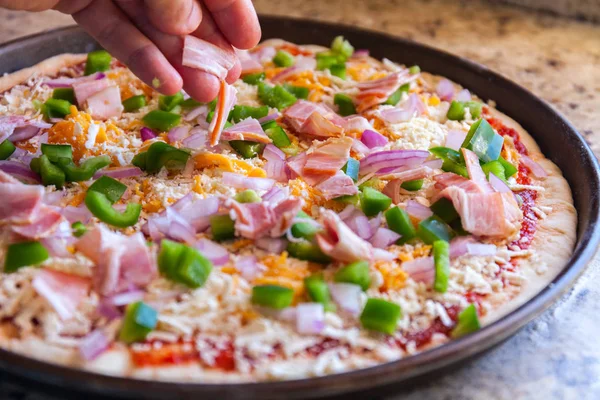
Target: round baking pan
{"points": [[556, 137]]}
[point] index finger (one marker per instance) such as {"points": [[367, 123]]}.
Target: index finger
{"points": [[237, 20]]}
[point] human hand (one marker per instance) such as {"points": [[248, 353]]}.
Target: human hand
{"points": [[146, 35]]}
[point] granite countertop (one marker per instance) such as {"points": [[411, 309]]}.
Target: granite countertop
{"points": [[557, 356]]}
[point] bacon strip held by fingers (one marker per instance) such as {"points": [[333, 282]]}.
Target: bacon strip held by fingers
{"points": [[225, 102], [207, 57]]}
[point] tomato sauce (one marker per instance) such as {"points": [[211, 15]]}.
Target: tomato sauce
{"points": [[181, 353]]}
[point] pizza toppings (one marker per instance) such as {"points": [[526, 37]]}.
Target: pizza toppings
{"points": [[313, 199], [207, 57]]}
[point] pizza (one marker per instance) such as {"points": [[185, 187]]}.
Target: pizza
{"points": [[327, 212]]}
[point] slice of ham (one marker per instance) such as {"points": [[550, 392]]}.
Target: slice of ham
{"points": [[106, 103], [495, 215], [448, 179], [207, 57], [256, 220], [16, 128], [63, 291], [357, 123], [285, 212], [313, 119], [393, 188], [20, 202], [329, 157], [120, 261], [319, 126], [339, 242], [85, 90], [250, 62], [372, 93], [45, 223], [338, 185], [475, 171], [225, 102], [248, 129]]}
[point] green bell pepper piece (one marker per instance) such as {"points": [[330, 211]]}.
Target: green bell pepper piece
{"points": [[372, 201], [248, 196], [85, 171], [161, 120], [380, 315], [134, 103], [78, 228], [468, 322], [356, 273], [222, 227], [433, 228], [183, 264], [56, 108], [161, 155], [278, 136], [441, 259], [483, 141], [397, 95], [139, 320], [168, 103], [240, 113], [101, 207], [97, 61], [318, 291], [299, 91], [444, 209], [275, 96], [283, 59], [253, 79], [412, 186], [345, 104], [67, 94], [342, 47], [452, 160], [351, 168], [246, 149], [399, 221], [509, 169], [24, 254], [308, 251], [272, 296], [109, 187], [51, 174], [6, 149]]}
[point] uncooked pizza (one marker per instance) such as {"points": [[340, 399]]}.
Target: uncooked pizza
{"points": [[327, 212]]}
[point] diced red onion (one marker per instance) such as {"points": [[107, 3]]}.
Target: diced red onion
{"points": [[108, 310], [373, 139], [455, 139], [244, 182], [271, 245], [361, 225], [271, 152], [270, 117], [434, 164], [197, 138], [536, 169], [346, 296], [498, 184], [68, 82], [20, 171], [391, 159], [418, 210], [94, 344], [147, 134], [178, 133], [122, 299], [375, 222], [413, 107], [277, 170], [248, 267], [310, 318], [384, 237], [347, 212], [119, 173], [458, 246], [445, 89], [216, 253], [463, 95], [24, 133], [200, 111], [420, 269]]}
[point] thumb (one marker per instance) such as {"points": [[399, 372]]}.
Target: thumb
{"points": [[175, 17]]}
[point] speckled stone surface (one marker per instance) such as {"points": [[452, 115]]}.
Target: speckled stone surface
{"points": [[557, 356]]}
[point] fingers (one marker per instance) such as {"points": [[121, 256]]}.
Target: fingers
{"points": [[115, 32], [175, 17], [200, 85], [237, 20]]}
